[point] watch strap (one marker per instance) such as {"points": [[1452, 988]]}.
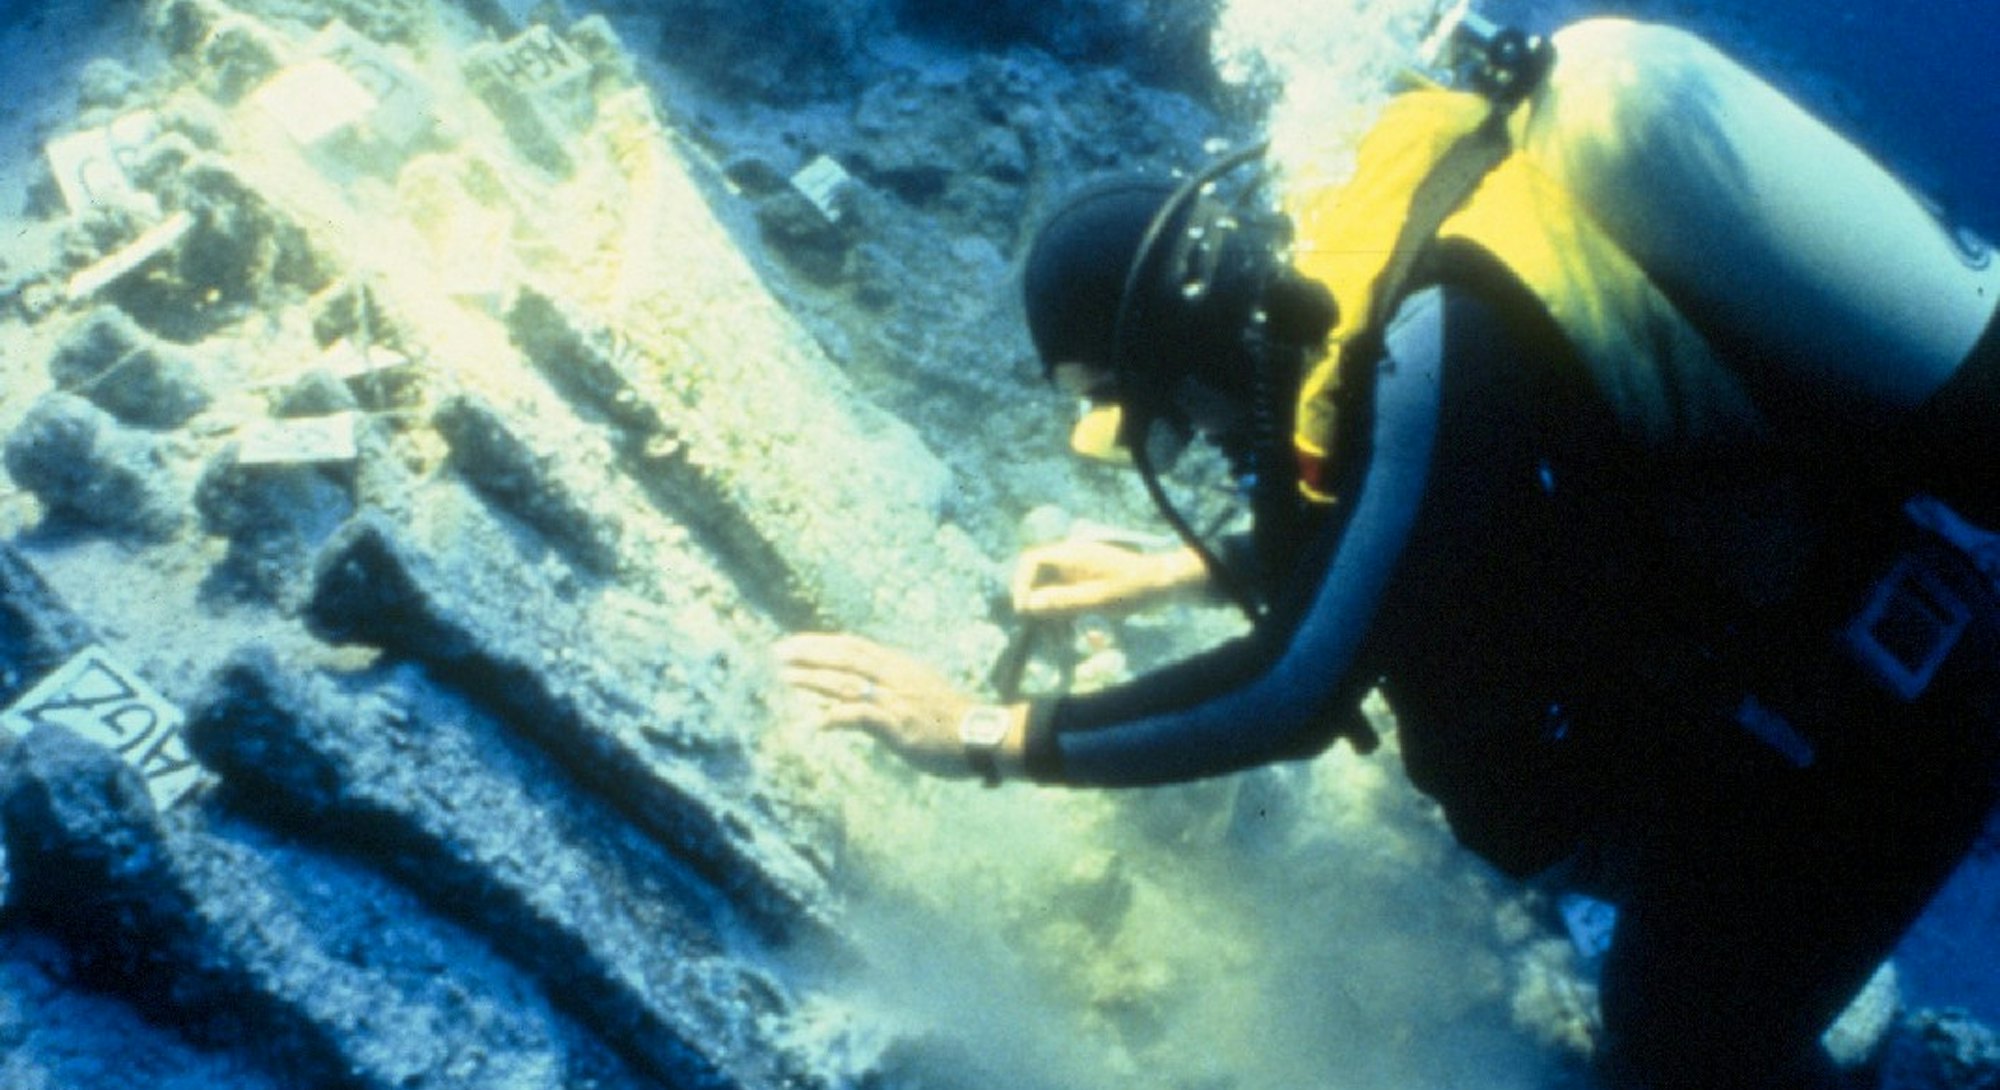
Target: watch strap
{"points": [[981, 731]]}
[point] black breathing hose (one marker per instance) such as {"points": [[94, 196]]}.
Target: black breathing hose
{"points": [[1141, 410]]}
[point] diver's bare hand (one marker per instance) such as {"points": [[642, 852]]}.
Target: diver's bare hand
{"points": [[1068, 578], [901, 702]]}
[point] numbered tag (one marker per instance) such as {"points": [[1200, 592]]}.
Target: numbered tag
{"points": [[535, 80], [99, 700], [537, 61], [91, 167]]}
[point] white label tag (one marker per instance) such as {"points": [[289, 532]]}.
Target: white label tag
{"points": [[309, 440], [821, 181], [345, 360], [113, 267], [102, 702], [402, 109], [314, 101], [90, 166]]}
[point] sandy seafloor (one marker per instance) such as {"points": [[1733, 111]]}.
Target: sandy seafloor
{"points": [[1908, 81]]}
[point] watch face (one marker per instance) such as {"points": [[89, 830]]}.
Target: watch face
{"points": [[984, 726]]}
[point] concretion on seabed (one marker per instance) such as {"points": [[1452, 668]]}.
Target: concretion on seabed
{"points": [[546, 762], [447, 467]]}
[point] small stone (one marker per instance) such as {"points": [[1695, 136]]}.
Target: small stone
{"points": [[238, 57], [800, 232], [106, 84], [1942, 1050], [755, 175]]}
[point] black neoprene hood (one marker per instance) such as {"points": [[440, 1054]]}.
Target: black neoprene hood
{"points": [[1077, 268]]}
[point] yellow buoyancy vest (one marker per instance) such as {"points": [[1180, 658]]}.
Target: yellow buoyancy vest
{"points": [[1656, 372]]}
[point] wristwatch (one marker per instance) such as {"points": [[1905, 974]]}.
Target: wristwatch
{"points": [[981, 731]]}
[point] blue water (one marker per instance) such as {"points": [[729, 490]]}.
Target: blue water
{"points": [[1920, 77]]}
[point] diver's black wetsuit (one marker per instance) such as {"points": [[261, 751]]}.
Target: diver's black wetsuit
{"points": [[1454, 458], [1569, 686], [1189, 720]]}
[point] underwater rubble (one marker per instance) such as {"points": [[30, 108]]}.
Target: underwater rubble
{"points": [[418, 420], [388, 726]]}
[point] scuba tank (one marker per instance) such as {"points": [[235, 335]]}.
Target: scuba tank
{"points": [[1776, 236]]}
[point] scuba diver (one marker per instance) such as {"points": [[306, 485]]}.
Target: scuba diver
{"points": [[1627, 429]]}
